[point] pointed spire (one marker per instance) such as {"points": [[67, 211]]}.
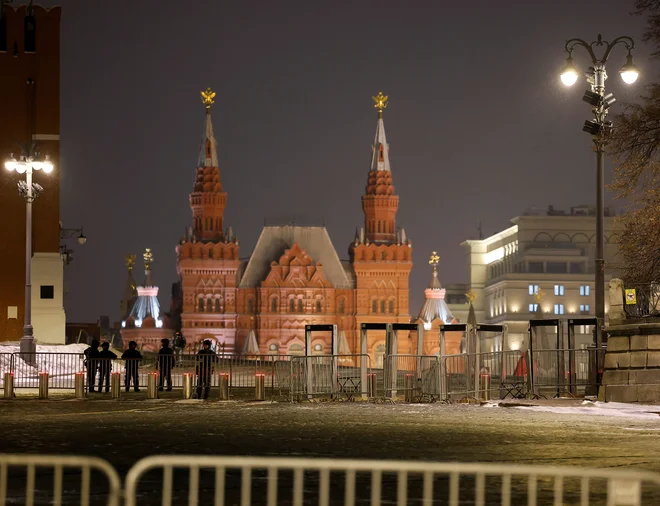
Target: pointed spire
{"points": [[380, 157], [130, 290], [148, 258], [435, 305], [208, 152]]}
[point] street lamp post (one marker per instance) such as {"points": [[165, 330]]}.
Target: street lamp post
{"points": [[29, 191], [600, 129], [70, 233]]}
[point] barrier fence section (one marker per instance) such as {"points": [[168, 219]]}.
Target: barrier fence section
{"points": [[337, 376], [297, 481], [48, 479], [413, 377], [484, 376], [61, 369], [561, 372]]}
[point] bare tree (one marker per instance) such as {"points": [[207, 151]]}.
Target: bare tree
{"points": [[635, 145]]}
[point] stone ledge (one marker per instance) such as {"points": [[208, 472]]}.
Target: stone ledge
{"points": [[640, 329], [615, 378], [644, 377], [639, 343], [621, 393]]}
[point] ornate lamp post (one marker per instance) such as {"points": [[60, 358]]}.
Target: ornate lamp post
{"points": [[70, 233], [26, 164], [600, 129]]}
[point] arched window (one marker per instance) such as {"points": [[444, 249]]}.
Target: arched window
{"points": [[292, 305], [296, 349], [273, 304], [210, 253], [217, 305], [201, 305], [300, 305], [250, 305], [391, 308], [319, 307], [383, 256], [378, 226], [374, 306], [341, 306], [209, 305], [382, 306]]}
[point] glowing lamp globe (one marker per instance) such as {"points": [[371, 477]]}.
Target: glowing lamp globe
{"points": [[569, 74], [629, 72]]}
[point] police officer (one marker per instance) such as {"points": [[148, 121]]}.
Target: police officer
{"points": [[92, 364], [165, 364], [206, 359], [132, 357], [105, 365]]}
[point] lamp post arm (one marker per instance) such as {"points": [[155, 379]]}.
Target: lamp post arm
{"points": [[571, 44], [69, 233]]}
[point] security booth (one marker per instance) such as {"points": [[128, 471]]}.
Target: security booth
{"points": [[316, 368], [582, 360], [546, 371]]}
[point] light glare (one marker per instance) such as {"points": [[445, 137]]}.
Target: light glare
{"points": [[569, 78], [629, 76]]}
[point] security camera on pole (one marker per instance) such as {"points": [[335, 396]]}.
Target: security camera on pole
{"points": [[599, 128]]}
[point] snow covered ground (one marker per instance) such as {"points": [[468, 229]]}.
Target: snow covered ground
{"points": [[60, 361], [609, 409]]}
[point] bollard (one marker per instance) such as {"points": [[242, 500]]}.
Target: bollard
{"points": [[79, 385], [371, 385], [152, 393], [408, 385], [187, 385], [259, 387], [484, 386], [115, 384], [9, 385], [224, 386], [43, 385]]}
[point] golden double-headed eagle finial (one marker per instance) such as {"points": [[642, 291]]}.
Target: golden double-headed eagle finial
{"points": [[148, 258], [130, 261], [470, 296], [380, 103], [207, 97], [434, 259]]}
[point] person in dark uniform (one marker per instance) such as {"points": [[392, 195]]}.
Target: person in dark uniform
{"points": [[206, 359], [92, 364], [105, 366], [165, 364], [132, 357]]}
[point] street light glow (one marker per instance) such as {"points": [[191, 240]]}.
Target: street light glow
{"points": [[629, 72], [569, 74]]}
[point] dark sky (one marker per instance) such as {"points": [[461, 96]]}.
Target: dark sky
{"points": [[479, 125]]}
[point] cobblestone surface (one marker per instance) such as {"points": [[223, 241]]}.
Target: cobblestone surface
{"points": [[126, 430]]}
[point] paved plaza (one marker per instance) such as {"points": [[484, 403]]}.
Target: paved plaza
{"points": [[124, 431]]}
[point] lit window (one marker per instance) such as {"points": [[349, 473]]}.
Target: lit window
{"points": [[584, 308], [559, 289], [533, 308], [533, 289], [584, 290], [559, 309]]}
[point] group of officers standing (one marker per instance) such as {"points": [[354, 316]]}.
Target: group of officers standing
{"points": [[100, 362]]}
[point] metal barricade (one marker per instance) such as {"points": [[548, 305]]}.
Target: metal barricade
{"points": [[61, 369], [334, 376], [413, 377], [41, 472], [561, 373], [264, 480]]}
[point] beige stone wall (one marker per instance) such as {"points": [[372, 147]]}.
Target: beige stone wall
{"points": [[632, 364]]}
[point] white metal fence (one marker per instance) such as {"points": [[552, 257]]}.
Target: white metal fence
{"points": [[297, 481], [57, 480]]}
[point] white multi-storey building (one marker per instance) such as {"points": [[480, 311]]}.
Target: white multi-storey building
{"points": [[553, 251]]}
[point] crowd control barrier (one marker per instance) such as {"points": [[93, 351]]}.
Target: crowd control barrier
{"points": [[298, 481]]}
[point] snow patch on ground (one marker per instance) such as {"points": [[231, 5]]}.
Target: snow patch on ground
{"points": [[611, 409]]}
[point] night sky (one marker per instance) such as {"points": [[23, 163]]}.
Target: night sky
{"points": [[479, 126]]}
